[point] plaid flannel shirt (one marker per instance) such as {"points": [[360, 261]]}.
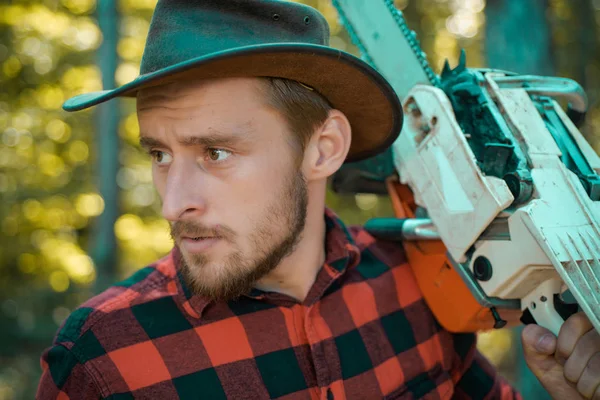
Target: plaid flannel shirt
{"points": [[363, 332]]}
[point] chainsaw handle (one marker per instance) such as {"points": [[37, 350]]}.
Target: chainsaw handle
{"points": [[545, 307], [398, 229]]}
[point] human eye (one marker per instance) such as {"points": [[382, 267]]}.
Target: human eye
{"points": [[160, 157], [217, 155]]}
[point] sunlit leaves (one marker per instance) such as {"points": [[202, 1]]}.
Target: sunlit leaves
{"points": [[126, 72], [81, 79], [59, 281], [51, 164], [130, 129], [58, 130], [495, 344], [63, 255], [77, 152], [134, 26], [131, 48], [50, 97], [11, 67], [467, 17], [130, 6], [79, 6], [38, 21], [142, 240], [89, 204]]}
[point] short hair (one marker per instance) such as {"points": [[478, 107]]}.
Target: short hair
{"points": [[303, 108]]}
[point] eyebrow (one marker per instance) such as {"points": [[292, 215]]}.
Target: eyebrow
{"points": [[213, 140]]}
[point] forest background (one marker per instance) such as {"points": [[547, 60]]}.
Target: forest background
{"points": [[77, 206]]}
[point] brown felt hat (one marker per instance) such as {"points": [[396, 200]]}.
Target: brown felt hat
{"points": [[268, 38]]}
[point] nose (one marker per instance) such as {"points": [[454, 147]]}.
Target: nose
{"points": [[183, 195]]}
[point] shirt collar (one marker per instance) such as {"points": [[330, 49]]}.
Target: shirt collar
{"points": [[341, 249], [341, 253]]}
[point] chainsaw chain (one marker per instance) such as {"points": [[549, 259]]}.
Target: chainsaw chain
{"points": [[409, 34]]}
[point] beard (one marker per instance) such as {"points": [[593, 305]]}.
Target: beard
{"points": [[238, 272]]}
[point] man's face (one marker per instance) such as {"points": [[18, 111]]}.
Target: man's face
{"points": [[228, 180]]}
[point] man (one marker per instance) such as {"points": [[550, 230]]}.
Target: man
{"points": [[245, 113]]}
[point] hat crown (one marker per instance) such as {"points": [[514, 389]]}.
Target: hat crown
{"points": [[182, 30]]}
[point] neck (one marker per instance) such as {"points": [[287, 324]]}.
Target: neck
{"points": [[295, 275]]}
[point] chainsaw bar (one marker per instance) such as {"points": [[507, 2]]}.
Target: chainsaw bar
{"points": [[375, 26]]}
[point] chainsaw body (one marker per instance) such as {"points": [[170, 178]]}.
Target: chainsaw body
{"points": [[518, 225], [496, 192], [507, 196]]}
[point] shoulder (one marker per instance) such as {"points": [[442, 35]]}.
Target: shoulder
{"points": [[372, 249], [389, 260], [80, 363], [107, 309], [385, 266]]}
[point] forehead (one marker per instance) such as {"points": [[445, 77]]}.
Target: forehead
{"points": [[196, 93], [208, 108]]}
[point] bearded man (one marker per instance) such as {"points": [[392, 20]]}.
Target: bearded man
{"points": [[246, 112]]}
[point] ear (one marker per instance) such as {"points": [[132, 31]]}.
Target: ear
{"points": [[328, 147]]}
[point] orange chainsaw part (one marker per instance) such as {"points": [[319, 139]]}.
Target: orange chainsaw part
{"points": [[446, 294]]}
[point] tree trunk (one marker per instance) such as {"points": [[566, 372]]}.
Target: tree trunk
{"points": [[584, 32], [518, 36], [585, 58], [104, 245]]}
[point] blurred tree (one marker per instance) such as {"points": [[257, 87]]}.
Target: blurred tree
{"points": [[518, 36], [46, 55], [575, 36], [585, 34], [104, 245]]}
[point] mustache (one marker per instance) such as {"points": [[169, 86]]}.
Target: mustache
{"points": [[194, 229]]}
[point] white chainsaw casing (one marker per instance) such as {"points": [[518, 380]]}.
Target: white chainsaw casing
{"points": [[554, 238], [441, 170]]}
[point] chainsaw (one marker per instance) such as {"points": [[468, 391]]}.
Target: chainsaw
{"points": [[495, 191]]}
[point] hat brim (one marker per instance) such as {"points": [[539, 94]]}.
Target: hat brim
{"points": [[349, 84]]}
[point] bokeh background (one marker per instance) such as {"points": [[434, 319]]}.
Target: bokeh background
{"points": [[78, 209]]}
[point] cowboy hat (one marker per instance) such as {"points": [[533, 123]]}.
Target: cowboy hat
{"points": [[226, 38]]}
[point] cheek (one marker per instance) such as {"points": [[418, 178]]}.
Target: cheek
{"points": [[258, 184], [246, 197]]}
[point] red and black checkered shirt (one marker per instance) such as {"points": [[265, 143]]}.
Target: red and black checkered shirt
{"points": [[363, 332]]}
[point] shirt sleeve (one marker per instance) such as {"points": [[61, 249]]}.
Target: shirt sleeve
{"points": [[474, 376], [64, 377]]}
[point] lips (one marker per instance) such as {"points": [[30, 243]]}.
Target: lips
{"points": [[199, 244], [194, 237], [197, 238]]}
